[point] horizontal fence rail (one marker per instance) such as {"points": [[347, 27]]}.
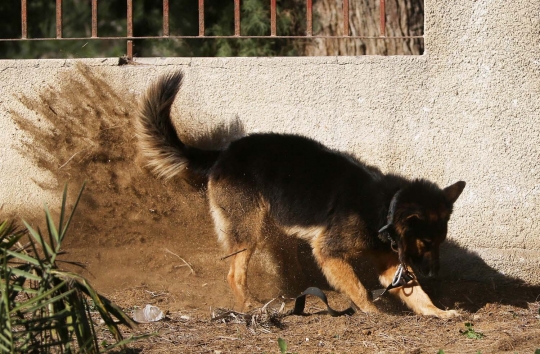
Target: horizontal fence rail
{"points": [[130, 36]]}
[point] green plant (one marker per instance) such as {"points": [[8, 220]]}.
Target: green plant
{"points": [[43, 308], [470, 332], [440, 351], [282, 345]]}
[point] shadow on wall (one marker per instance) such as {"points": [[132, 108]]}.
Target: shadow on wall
{"points": [[90, 137]]}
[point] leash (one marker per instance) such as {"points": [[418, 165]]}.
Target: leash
{"points": [[401, 278], [300, 304], [388, 233]]}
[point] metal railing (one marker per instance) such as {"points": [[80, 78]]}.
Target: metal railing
{"points": [[237, 30]]}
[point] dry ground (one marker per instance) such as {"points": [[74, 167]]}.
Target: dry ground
{"points": [[137, 236]]}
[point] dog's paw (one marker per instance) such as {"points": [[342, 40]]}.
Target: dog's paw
{"points": [[367, 308], [448, 314]]}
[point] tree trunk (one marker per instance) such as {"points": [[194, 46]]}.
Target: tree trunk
{"points": [[403, 18]]}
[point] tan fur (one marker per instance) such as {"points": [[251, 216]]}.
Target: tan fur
{"points": [[342, 277], [411, 294], [305, 233], [163, 161]]}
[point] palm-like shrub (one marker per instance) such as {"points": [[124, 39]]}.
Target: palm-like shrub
{"points": [[43, 308]]}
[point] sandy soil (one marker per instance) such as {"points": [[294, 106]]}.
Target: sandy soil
{"points": [[145, 241]]}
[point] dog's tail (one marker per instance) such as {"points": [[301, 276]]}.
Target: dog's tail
{"points": [[166, 155]]}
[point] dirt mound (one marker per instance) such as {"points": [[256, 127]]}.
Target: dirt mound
{"points": [[131, 229]]}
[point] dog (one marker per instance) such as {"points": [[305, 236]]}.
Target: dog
{"points": [[343, 208]]}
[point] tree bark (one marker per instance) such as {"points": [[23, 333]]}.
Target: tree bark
{"points": [[403, 18]]}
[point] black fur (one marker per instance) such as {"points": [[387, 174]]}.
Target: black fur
{"points": [[300, 187]]}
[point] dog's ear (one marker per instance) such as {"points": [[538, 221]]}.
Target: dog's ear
{"points": [[453, 192]]}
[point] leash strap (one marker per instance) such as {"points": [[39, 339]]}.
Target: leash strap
{"points": [[401, 278], [300, 303]]}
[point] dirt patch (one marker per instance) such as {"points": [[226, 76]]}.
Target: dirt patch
{"points": [[137, 235]]}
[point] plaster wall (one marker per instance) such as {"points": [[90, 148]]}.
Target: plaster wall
{"points": [[468, 109]]}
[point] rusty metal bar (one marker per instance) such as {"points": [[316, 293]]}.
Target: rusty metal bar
{"points": [[58, 18], [209, 37], [201, 18], [309, 18], [24, 20], [130, 18], [129, 29], [129, 54], [382, 8], [166, 18], [94, 19], [273, 18], [346, 18], [237, 18]]}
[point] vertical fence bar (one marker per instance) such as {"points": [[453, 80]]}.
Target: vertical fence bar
{"points": [[346, 17], [309, 17], [24, 20], [129, 54], [382, 8], [129, 18], [94, 18], [58, 18], [166, 18], [130, 29], [237, 17], [201, 18], [273, 17]]}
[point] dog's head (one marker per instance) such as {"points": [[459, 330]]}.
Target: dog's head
{"points": [[420, 220]]}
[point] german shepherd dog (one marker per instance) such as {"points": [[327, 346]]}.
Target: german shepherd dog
{"points": [[343, 208]]}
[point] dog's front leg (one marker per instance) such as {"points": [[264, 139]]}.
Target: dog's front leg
{"points": [[340, 275], [414, 296]]}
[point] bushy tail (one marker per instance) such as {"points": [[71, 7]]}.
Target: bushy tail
{"points": [[159, 143]]}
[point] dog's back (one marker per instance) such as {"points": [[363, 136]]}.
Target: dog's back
{"points": [[304, 183]]}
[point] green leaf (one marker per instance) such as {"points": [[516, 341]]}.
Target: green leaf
{"points": [[38, 298], [440, 351], [23, 257], [64, 230], [50, 226], [39, 239], [537, 351], [282, 345], [26, 275]]}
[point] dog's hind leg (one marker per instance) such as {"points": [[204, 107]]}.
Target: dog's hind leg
{"points": [[411, 294], [238, 225], [237, 277], [341, 276]]}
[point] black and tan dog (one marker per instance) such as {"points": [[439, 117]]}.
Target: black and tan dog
{"points": [[343, 208]]}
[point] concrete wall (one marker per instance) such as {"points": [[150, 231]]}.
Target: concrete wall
{"points": [[468, 109]]}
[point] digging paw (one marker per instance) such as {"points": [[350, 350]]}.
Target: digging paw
{"points": [[447, 314], [367, 308]]}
